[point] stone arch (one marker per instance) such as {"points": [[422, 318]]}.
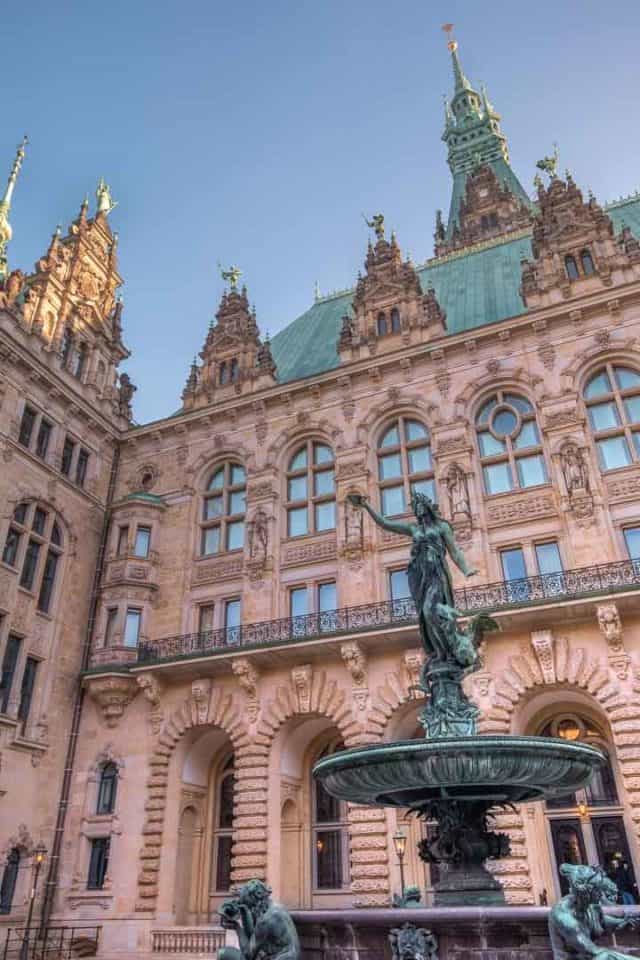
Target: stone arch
{"points": [[207, 706], [396, 403], [398, 689], [468, 401], [208, 460], [583, 363], [307, 427], [69, 536]]}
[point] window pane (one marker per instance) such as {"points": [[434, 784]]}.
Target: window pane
{"points": [[632, 409], [299, 460], [513, 567], [389, 466], [420, 460], [48, 579], [123, 540], [223, 862], [328, 859], [548, 557], [613, 453], [323, 482], [20, 513], [298, 603], [110, 626], [132, 628], [143, 539], [205, 617], [393, 501], [9, 880], [531, 470], [598, 385], [210, 541], [30, 564], [39, 520], [237, 502], [26, 690], [428, 487], [327, 597], [212, 507], [327, 806], [391, 438], [483, 415], [626, 378], [9, 662], [67, 456], [325, 516], [98, 863], [520, 403], [322, 453], [56, 536], [232, 614], [504, 423], [399, 584], [107, 789], [297, 523], [489, 446], [497, 478], [217, 480], [42, 443], [238, 474], [298, 488], [414, 431], [528, 436], [604, 416], [225, 811], [26, 426], [81, 467], [632, 540], [12, 543], [235, 535]]}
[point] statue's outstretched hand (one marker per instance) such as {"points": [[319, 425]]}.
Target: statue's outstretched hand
{"points": [[356, 499], [472, 572]]}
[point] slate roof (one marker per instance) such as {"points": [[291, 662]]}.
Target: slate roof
{"points": [[474, 289]]}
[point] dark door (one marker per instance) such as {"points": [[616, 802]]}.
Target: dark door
{"points": [[568, 845], [614, 856]]}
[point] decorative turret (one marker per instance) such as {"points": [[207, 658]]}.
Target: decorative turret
{"points": [[234, 358], [574, 245], [5, 207], [476, 144], [389, 307]]}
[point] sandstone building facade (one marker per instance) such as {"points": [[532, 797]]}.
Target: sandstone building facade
{"points": [[191, 613]]}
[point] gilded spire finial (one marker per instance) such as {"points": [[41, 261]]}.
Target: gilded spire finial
{"points": [[316, 291], [549, 165], [377, 224], [233, 274], [5, 206], [451, 43]]}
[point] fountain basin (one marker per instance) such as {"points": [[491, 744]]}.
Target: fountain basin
{"points": [[492, 770]]}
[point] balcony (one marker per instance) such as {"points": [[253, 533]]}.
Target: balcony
{"points": [[567, 586]]}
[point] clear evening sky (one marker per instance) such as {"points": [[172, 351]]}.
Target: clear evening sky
{"points": [[257, 133]]}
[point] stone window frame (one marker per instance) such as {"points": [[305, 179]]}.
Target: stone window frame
{"points": [[528, 546], [223, 520], [408, 479], [504, 395], [309, 471], [26, 533], [626, 427], [79, 447], [24, 843], [221, 771], [312, 585], [330, 745], [39, 419]]}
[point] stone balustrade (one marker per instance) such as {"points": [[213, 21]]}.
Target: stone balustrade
{"points": [[188, 940]]}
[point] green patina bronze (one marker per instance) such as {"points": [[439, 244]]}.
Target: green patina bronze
{"points": [[453, 777], [264, 929], [578, 920]]}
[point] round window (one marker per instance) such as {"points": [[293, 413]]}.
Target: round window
{"points": [[504, 422]]}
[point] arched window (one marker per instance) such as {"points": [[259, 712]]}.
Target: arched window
{"points": [[223, 509], [587, 263], [405, 465], [223, 829], [311, 496], [382, 325], [107, 789], [224, 373], [571, 267], [235, 370], [329, 835], [79, 360], [509, 442], [34, 544], [612, 396], [588, 826], [395, 320], [9, 880]]}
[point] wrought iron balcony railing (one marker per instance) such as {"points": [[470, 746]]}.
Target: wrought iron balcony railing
{"points": [[552, 587]]}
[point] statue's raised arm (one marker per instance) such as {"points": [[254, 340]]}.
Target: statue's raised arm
{"points": [[358, 500]]}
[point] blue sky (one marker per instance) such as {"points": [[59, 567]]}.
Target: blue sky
{"points": [[256, 133]]}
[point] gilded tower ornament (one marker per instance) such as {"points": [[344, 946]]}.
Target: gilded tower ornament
{"points": [[5, 206], [232, 275], [105, 202], [377, 224]]}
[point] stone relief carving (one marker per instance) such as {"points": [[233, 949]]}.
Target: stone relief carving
{"points": [[302, 678], [413, 662], [201, 694], [248, 677], [112, 694], [152, 689], [611, 626], [575, 471], [356, 663], [542, 642], [457, 488]]}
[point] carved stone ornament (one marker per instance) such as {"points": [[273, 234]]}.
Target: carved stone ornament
{"points": [[201, 695], [611, 626], [413, 943], [413, 662], [248, 677], [112, 694], [152, 689], [355, 662], [302, 678], [543, 642], [576, 477], [457, 488], [22, 840]]}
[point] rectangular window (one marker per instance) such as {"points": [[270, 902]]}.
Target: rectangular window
{"points": [[48, 579], [235, 535], [26, 426], [604, 416], [39, 521], [613, 453], [298, 602], [297, 487], [531, 471], [232, 620], [210, 541], [205, 617], [98, 863], [123, 541], [30, 563], [81, 467], [26, 690], [327, 603], [393, 501], [223, 862], [548, 558], [110, 626], [297, 522], [132, 627], [514, 572], [632, 541], [67, 456], [389, 466], [325, 516], [328, 859], [399, 584], [12, 543], [42, 441], [143, 541], [9, 662], [497, 478]]}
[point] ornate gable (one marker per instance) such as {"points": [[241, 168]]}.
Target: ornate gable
{"points": [[388, 304], [574, 246]]}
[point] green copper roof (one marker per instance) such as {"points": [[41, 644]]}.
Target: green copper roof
{"points": [[473, 289]]}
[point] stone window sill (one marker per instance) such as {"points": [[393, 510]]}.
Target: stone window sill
{"points": [[7, 566]]}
